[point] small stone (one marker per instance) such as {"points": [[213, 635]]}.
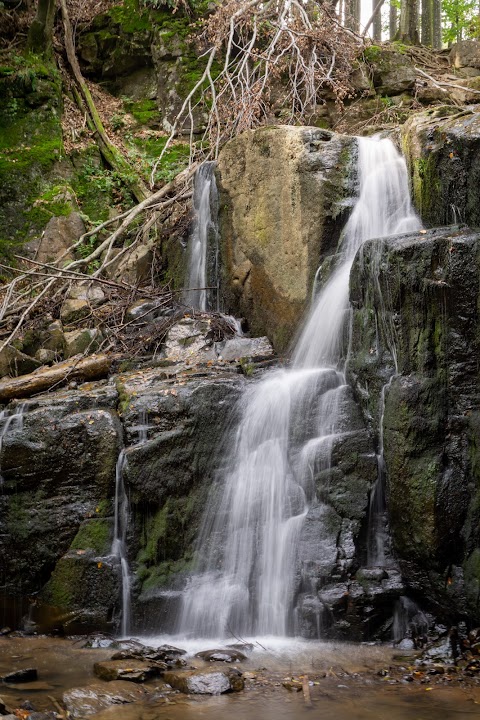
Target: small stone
{"points": [[292, 685], [144, 310], [253, 348], [170, 651], [14, 363], [93, 698], [54, 338], [222, 655], [21, 676], [80, 341], [131, 670], [205, 682], [4, 709], [73, 310], [45, 356], [91, 292]]}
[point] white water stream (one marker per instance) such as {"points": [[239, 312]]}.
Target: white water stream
{"points": [[119, 545], [10, 420], [205, 189], [247, 549]]}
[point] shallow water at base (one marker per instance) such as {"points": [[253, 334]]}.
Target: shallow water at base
{"points": [[347, 685]]}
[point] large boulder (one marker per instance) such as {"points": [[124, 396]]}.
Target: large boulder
{"points": [[442, 148], [58, 468], [465, 54], [392, 71], [283, 197]]}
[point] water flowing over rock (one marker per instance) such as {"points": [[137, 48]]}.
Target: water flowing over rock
{"points": [[284, 197], [202, 269], [249, 545]]}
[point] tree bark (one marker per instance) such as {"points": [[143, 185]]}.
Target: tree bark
{"points": [[377, 22], [437, 24], [427, 22], [111, 154], [40, 35], [392, 21], [408, 31], [90, 368], [352, 15]]}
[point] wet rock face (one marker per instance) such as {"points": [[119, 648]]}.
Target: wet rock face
{"points": [[423, 290], [275, 232], [56, 469], [442, 147]]}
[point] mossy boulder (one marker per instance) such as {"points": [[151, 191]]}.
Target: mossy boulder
{"points": [[421, 293], [442, 147], [391, 69], [80, 595], [58, 468], [283, 197]]}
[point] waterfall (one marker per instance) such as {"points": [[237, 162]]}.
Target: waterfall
{"points": [[378, 538], [201, 245], [247, 549], [119, 546], [10, 419]]}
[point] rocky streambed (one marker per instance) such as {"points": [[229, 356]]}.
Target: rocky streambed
{"points": [[77, 678]]}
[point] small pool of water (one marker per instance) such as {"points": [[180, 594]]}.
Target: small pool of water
{"points": [[345, 683]]}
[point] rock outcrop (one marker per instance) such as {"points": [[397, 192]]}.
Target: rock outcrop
{"points": [[284, 195], [416, 330], [442, 147]]}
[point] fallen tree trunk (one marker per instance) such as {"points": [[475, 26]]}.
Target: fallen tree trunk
{"points": [[89, 368]]}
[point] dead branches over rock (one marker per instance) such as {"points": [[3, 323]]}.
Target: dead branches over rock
{"points": [[263, 56]]}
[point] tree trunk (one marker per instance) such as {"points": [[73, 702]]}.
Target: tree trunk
{"points": [[437, 24], [409, 22], [89, 368], [427, 22], [393, 21], [377, 22], [40, 35], [352, 15]]}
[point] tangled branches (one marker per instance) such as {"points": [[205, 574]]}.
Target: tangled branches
{"points": [[265, 59]]}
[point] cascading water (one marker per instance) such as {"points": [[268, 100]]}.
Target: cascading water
{"points": [[378, 537], [247, 548], [10, 420], [119, 547], [204, 240]]}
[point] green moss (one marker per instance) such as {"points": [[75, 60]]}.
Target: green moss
{"points": [[66, 585], [131, 16], [144, 111], [161, 575], [123, 397], [30, 146], [175, 159], [97, 188], [426, 184], [167, 541], [93, 535], [373, 53]]}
